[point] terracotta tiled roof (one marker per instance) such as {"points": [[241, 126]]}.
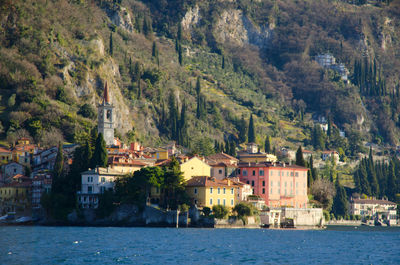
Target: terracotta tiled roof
{"points": [[271, 165], [4, 150], [330, 152], [204, 181], [221, 156], [369, 201]]}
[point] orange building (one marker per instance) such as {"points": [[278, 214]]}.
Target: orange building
{"points": [[278, 184]]}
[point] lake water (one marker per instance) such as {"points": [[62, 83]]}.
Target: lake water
{"points": [[108, 245]]}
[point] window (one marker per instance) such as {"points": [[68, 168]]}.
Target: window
{"points": [[261, 172], [220, 171], [263, 183], [89, 189], [239, 171], [254, 172], [270, 191], [279, 190], [272, 173], [210, 192], [210, 201], [272, 183], [297, 174], [297, 184], [279, 183], [248, 182], [232, 191], [285, 184], [279, 173], [15, 170], [103, 179], [88, 179], [219, 202], [263, 191], [224, 190], [252, 183], [287, 173], [291, 174], [244, 172], [195, 190], [252, 191], [223, 202], [219, 191], [231, 202], [285, 192]]}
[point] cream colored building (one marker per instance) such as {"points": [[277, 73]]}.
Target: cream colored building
{"points": [[194, 167], [384, 209]]}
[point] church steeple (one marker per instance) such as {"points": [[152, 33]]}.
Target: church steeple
{"points": [[105, 124]]}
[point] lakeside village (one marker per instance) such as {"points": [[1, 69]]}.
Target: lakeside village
{"points": [[143, 186]]}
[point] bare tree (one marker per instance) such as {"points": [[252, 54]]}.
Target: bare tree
{"points": [[323, 191]]}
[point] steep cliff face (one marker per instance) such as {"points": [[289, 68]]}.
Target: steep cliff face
{"points": [[234, 27]]}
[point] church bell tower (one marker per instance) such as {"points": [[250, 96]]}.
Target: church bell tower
{"points": [[106, 123]]}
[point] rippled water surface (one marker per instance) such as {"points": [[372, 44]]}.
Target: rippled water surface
{"points": [[93, 245]]}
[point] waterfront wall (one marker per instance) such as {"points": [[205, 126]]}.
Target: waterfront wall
{"points": [[304, 216]]}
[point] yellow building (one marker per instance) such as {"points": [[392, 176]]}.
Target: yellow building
{"points": [[207, 191], [5, 155], [194, 167], [159, 154], [15, 197]]}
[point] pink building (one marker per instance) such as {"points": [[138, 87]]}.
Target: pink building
{"points": [[278, 184]]}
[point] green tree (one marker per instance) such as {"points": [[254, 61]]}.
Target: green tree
{"points": [[154, 53], [340, 205], [179, 33], [245, 209], [59, 163], [206, 211], [111, 51], [180, 56], [318, 138], [299, 158], [267, 144], [220, 211], [242, 128], [100, 155], [173, 117], [252, 133], [11, 100], [174, 191]]}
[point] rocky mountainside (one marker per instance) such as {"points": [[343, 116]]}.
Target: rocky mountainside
{"points": [[193, 71]]}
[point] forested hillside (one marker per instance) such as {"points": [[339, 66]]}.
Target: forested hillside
{"points": [[193, 71]]}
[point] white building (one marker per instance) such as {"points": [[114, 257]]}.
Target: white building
{"points": [[95, 182], [382, 209]]}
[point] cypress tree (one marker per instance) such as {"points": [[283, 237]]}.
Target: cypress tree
{"points": [[59, 163], [223, 62], [299, 157], [267, 145], [173, 117], [111, 44], [232, 148], [391, 182], [179, 33], [199, 110], [340, 206], [252, 133], [100, 154], [180, 56], [242, 128], [363, 175]]}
